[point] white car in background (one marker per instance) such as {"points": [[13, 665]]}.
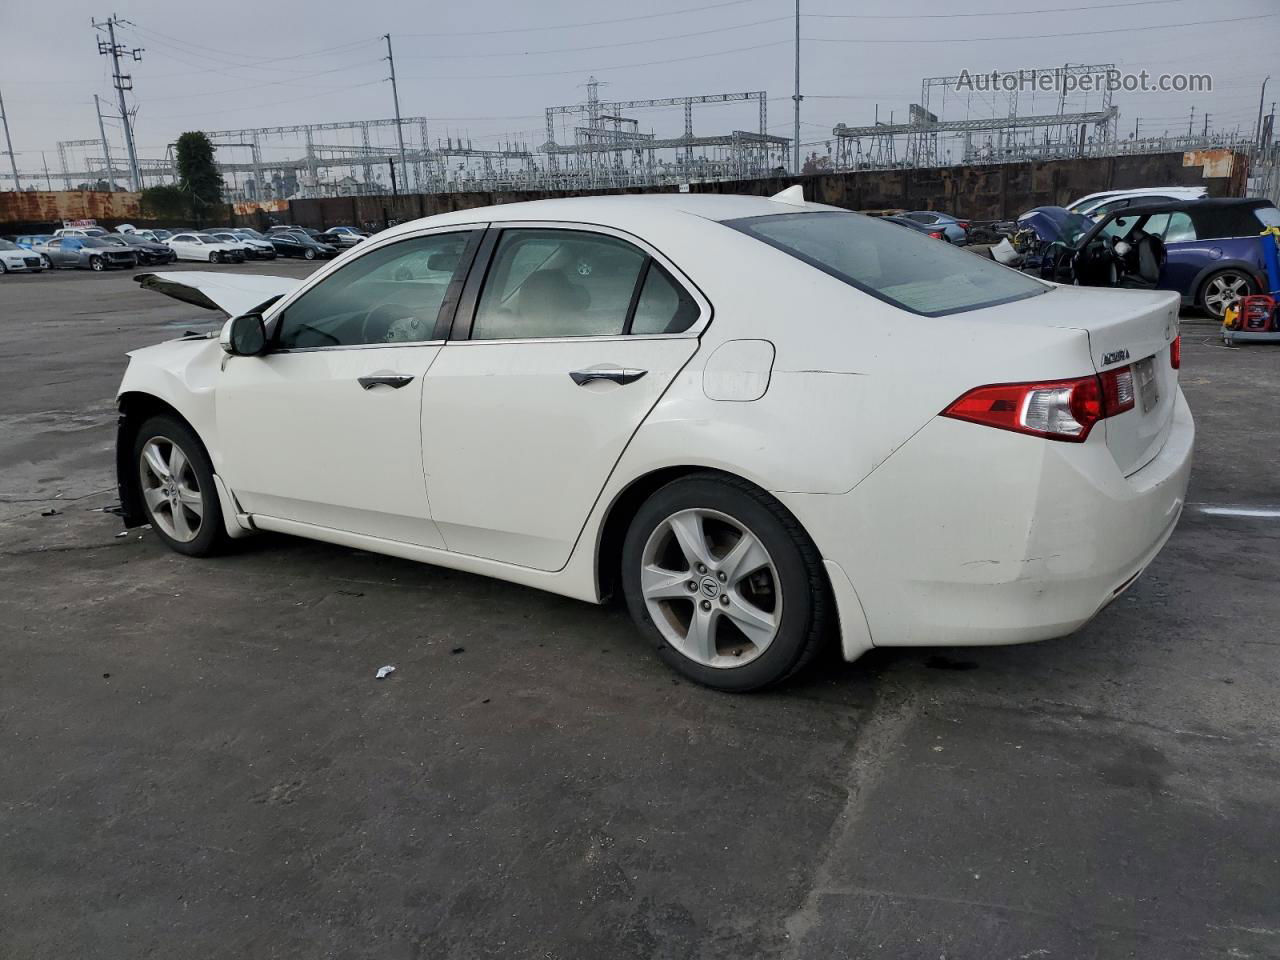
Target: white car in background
{"points": [[16, 259], [764, 422], [253, 249], [194, 246], [1098, 205]]}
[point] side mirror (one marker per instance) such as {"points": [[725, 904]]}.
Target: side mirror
{"points": [[244, 336]]}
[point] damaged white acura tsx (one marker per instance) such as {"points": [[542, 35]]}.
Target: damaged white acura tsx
{"points": [[767, 423]]}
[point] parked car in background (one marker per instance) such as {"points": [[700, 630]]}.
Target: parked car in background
{"points": [[1098, 205], [254, 249], [308, 231], [155, 236], [86, 253], [299, 244], [342, 236], [954, 230], [918, 227], [16, 259], [1209, 251], [32, 240], [611, 404], [193, 246], [148, 252], [80, 232]]}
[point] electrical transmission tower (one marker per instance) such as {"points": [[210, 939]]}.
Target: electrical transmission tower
{"points": [[122, 82]]}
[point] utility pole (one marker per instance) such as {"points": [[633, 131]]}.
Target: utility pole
{"points": [[13, 163], [123, 82], [106, 147], [1206, 125], [45, 163], [1257, 133], [797, 98], [1136, 121], [1192, 122], [395, 96]]}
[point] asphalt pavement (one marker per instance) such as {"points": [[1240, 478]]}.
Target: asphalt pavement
{"points": [[196, 759]]}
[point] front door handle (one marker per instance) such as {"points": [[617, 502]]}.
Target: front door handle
{"points": [[616, 374], [394, 380]]}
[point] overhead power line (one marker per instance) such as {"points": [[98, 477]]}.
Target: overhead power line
{"points": [[1045, 36], [581, 23]]}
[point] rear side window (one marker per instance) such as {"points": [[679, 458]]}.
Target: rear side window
{"points": [[907, 269], [1269, 216]]}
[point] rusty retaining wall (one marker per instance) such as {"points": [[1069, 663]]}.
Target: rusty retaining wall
{"points": [[986, 192], [37, 211]]}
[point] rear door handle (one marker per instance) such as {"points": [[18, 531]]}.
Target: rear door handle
{"points": [[616, 374], [394, 380]]}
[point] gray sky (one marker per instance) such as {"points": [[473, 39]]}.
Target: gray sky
{"points": [[487, 69]]}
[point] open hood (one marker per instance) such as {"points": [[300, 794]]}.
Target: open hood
{"points": [[233, 294]]}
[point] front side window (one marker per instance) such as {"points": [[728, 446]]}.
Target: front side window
{"points": [[903, 267], [389, 295], [558, 283]]}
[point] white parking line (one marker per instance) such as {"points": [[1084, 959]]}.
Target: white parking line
{"points": [[1269, 513]]}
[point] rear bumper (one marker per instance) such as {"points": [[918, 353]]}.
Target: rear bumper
{"points": [[970, 536]]}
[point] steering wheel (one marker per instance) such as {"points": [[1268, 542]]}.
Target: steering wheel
{"points": [[393, 323]]}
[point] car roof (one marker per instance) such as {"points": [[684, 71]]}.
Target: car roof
{"points": [[1140, 192], [631, 212], [1207, 203]]}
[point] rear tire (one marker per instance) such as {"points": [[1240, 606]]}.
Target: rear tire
{"points": [[758, 610], [175, 478], [1222, 289]]}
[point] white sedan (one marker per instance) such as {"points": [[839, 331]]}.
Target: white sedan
{"points": [[195, 246], [765, 422]]}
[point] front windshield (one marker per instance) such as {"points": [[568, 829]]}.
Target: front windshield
{"points": [[163, 234], [7, 245], [247, 232], [902, 267]]}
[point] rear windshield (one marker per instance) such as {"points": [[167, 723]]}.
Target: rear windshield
{"points": [[907, 269]]}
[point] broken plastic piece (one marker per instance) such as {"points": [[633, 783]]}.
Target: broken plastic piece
{"points": [[383, 671]]}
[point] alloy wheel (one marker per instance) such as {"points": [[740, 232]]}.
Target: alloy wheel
{"points": [[1224, 290], [171, 489], [711, 588]]}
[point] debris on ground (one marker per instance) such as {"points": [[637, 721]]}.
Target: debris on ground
{"points": [[458, 650], [51, 512], [384, 671]]}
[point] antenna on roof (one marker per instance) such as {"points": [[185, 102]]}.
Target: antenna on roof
{"points": [[792, 195]]}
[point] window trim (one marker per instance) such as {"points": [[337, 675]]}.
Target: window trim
{"points": [[274, 314], [464, 318]]}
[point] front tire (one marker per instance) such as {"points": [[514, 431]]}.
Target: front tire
{"points": [[309, 254], [725, 583], [175, 478], [95, 263]]}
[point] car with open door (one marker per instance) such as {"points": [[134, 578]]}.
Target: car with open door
{"points": [[717, 407], [1207, 251]]}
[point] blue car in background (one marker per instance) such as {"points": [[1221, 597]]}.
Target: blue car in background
{"points": [[1209, 251]]}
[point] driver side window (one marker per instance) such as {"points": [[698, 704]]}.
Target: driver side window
{"points": [[389, 295]]}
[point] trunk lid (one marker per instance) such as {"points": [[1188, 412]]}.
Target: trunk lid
{"points": [[1124, 328]]}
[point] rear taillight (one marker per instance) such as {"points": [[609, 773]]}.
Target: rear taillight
{"points": [[1175, 352], [1055, 410], [962, 224]]}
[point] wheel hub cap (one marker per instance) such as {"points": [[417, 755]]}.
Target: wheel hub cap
{"points": [[711, 588]]}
